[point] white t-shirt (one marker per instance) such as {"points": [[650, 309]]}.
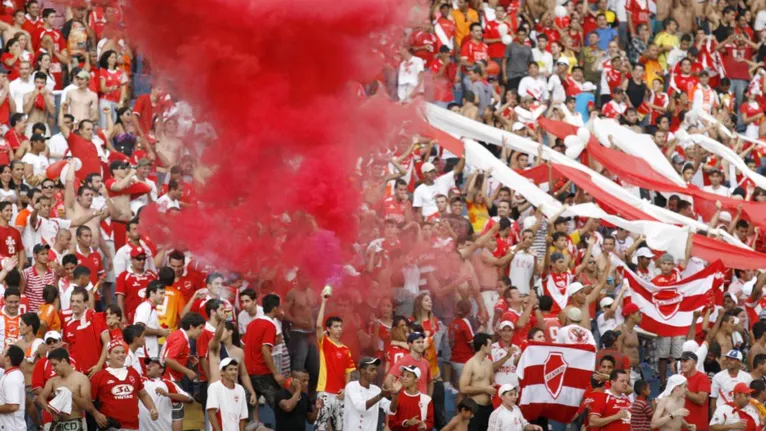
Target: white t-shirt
{"points": [[58, 147], [575, 334], [725, 415], [503, 419], [146, 313], [165, 202], [720, 191], [230, 403], [38, 161], [544, 60], [244, 318], [556, 89], [134, 359], [162, 403], [507, 372], [425, 195], [410, 70], [723, 385], [44, 232], [12, 392], [536, 88], [18, 88], [143, 200]]}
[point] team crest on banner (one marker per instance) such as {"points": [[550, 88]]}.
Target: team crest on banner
{"points": [[554, 368], [667, 302]]}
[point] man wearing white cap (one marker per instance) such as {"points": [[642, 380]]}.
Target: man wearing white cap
{"points": [[722, 388], [610, 319], [424, 198], [226, 400], [409, 407], [555, 82], [670, 412], [504, 354], [508, 416], [574, 332], [644, 258]]}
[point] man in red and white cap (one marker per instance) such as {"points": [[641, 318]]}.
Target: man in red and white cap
{"points": [[131, 283], [733, 415], [86, 333], [411, 408]]}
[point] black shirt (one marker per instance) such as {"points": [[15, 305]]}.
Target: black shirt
{"points": [[294, 420]]}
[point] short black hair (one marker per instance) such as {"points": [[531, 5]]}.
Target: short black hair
{"points": [[468, 404], [212, 305], [154, 286], [16, 354], [33, 320], [639, 386], [114, 309], [609, 358], [270, 302], [480, 340], [192, 320], [250, 293], [131, 332], [759, 329], [167, 276], [59, 354], [616, 374], [80, 291], [12, 291], [69, 258], [81, 271], [332, 319]]}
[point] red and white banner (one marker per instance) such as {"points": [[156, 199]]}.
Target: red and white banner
{"points": [[553, 378], [668, 310]]}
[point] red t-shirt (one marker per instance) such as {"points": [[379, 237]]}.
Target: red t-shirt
{"points": [[176, 347], [15, 138], [203, 346], [93, 262], [610, 405], [113, 79], [133, 287], [188, 284], [394, 353], [119, 398], [420, 38], [639, 10], [260, 332], [55, 35], [10, 241], [474, 51], [552, 325], [87, 153], [497, 49], [13, 69], [84, 338], [145, 111], [666, 280], [734, 61], [698, 414], [462, 334]]}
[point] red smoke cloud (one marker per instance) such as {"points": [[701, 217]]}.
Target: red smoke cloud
{"points": [[277, 79]]}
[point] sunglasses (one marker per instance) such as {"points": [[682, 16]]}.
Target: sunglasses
{"points": [[48, 187], [50, 341], [140, 259]]}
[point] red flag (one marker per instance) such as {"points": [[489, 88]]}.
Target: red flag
{"points": [[553, 378]]}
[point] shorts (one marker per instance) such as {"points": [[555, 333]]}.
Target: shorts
{"points": [[670, 347], [178, 411], [265, 385], [331, 412], [69, 425]]}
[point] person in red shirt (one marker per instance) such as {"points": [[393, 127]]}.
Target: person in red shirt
{"points": [[86, 333], [492, 36], [46, 29], [10, 238], [697, 393], [88, 257], [259, 340], [118, 390], [176, 351], [412, 409], [638, 13], [150, 106], [474, 50], [32, 21], [425, 43], [461, 338], [131, 284], [215, 309], [187, 281], [612, 411]]}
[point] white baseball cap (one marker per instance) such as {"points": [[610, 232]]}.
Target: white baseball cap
{"points": [[413, 369], [427, 167], [507, 388], [574, 288], [644, 252], [506, 323], [606, 301]]}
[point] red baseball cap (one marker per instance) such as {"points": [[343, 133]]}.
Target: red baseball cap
{"points": [[742, 388], [629, 309], [137, 251]]}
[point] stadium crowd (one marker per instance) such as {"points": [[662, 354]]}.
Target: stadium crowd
{"points": [[453, 274]]}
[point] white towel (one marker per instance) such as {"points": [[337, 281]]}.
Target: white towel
{"points": [[62, 402]]}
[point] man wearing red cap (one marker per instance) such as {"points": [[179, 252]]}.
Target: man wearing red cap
{"points": [[732, 415], [627, 342], [131, 284]]}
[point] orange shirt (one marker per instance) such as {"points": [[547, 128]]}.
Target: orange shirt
{"points": [[50, 316], [21, 218], [168, 311], [335, 362], [463, 23]]}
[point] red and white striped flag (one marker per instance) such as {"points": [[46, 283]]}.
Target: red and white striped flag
{"points": [[553, 378], [668, 310]]}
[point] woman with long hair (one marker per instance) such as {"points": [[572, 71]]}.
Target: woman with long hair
{"points": [[11, 58], [44, 66], [398, 338], [8, 190], [113, 85]]}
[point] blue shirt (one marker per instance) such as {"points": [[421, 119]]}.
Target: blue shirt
{"points": [[605, 35]]}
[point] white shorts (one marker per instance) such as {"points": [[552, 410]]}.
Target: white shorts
{"points": [[670, 347]]}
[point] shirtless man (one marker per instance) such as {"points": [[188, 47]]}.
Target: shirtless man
{"points": [[35, 112], [627, 342], [670, 412], [82, 102], [168, 146], [304, 354], [81, 206], [723, 336], [77, 383], [684, 13], [11, 30], [477, 379]]}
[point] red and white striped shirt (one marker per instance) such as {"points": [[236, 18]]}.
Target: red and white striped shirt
{"points": [[35, 283]]}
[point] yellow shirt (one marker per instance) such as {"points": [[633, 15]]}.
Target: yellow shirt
{"points": [[478, 214], [653, 70], [463, 23], [665, 39]]}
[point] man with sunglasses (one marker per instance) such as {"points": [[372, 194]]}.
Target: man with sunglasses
{"points": [[132, 283]]}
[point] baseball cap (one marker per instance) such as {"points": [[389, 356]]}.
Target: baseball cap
{"points": [[427, 167], [735, 354], [137, 251], [83, 74], [563, 60], [674, 381], [226, 362], [690, 346], [506, 388], [629, 309], [115, 344], [118, 164], [411, 368], [363, 362], [415, 336], [506, 323], [574, 314], [517, 126], [37, 137], [40, 247], [742, 388], [644, 252], [574, 288], [52, 335], [686, 356], [667, 257], [606, 301]]}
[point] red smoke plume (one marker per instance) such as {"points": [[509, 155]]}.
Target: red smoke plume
{"points": [[278, 80]]}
